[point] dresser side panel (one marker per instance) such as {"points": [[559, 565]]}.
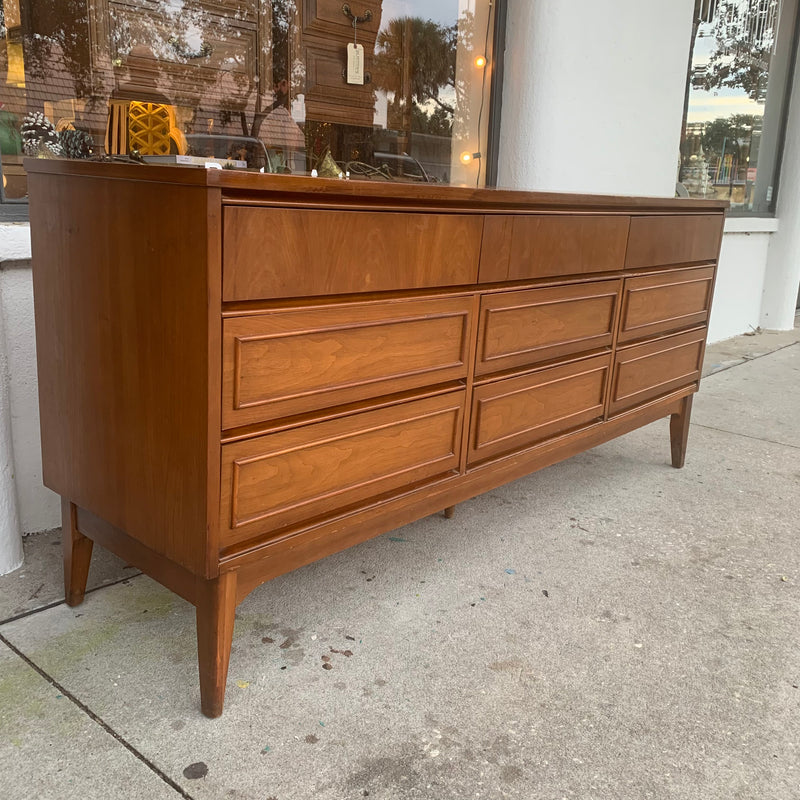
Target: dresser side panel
{"points": [[121, 284]]}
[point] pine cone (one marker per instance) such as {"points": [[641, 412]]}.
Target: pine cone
{"points": [[76, 143], [39, 136]]}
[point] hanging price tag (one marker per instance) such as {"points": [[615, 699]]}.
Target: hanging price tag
{"points": [[355, 64]]}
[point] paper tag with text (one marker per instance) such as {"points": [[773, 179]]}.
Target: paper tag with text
{"points": [[355, 63]]}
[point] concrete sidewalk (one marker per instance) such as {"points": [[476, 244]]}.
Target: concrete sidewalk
{"points": [[609, 629]]}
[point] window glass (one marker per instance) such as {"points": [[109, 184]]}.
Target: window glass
{"points": [[734, 110], [389, 90]]}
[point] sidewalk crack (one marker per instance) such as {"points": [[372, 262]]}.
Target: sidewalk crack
{"points": [[745, 435], [98, 720], [57, 603]]}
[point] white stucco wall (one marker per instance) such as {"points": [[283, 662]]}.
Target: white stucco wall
{"points": [[10, 540], [39, 508], [593, 96], [783, 266], [740, 281]]}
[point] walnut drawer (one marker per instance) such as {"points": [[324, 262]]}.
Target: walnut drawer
{"points": [[673, 239], [665, 302], [522, 328], [279, 252], [544, 245], [645, 371], [292, 476], [519, 412], [290, 361]]}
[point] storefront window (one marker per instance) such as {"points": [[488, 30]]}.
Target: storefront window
{"points": [[734, 113], [257, 85]]}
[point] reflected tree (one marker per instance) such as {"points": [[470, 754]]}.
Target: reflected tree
{"points": [[55, 41], [744, 32], [415, 63]]}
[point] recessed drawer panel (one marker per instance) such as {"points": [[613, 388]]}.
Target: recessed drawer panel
{"points": [[665, 302], [519, 412], [279, 252], [543, 245], [291, 361], [675, 239], [521, 328], [645, 371], [291, 476]]}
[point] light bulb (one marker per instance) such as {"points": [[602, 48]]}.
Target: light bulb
{"points": [[480, 62], [466, 157]]}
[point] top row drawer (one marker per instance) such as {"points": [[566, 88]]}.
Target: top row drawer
{"points": [[283, 252], [539, 245]]}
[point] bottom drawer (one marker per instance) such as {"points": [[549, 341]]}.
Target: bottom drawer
{"points": [[284, 478], [518, 412], [646, 371]]}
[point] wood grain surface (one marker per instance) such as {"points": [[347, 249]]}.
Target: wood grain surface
{"points": [[674, 239], [524, 327], [645, 371], [284, 478], [291, 361], [664, 302], [546, 245], [518, 412], [123, 338], [297, 252]]}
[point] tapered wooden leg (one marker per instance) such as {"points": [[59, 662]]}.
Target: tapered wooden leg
{"points": [[449, 512], [77, 555], [679, 432], [216, 605]]}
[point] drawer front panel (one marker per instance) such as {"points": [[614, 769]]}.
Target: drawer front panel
{"points": [[276, 252], [543, 245], [645, 371], [292, 361], [677, 239], [521, 328], [287, 477], [665, 302], [519, 412]]}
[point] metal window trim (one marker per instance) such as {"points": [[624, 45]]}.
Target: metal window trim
{"points": [[496, 92]]}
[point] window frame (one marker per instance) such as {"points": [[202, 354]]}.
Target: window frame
{"points": [[776, 114]]}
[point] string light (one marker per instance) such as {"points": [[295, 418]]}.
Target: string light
{"points": [[480, 62]]}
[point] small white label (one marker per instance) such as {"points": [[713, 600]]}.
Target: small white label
{"points": [[355, 64]]}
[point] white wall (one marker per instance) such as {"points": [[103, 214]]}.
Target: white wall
{"points": [[740, 282], [783, 266], [593, 97], [10, 541], [39, 508]]}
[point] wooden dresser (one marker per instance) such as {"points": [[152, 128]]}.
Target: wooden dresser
{"points": [[240, 374]]}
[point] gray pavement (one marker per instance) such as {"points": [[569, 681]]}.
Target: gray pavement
{"points": [[607, 628]]}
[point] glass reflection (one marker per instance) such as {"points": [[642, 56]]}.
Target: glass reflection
{"points": [[260, 85]]}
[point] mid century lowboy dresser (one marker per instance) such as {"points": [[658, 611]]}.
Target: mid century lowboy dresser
{"points": [[240, 374]]}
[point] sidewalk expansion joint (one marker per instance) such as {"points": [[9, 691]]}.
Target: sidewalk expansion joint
{"points": [[98, 720], [741, 360], [57, 603], [744, 435]]}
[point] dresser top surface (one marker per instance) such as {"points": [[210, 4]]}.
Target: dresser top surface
{"points": [[241, 186]]}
